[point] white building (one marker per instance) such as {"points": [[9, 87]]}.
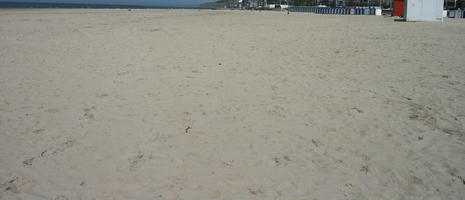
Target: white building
{"points": [[424, 10]]}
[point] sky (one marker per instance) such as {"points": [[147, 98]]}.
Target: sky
{"points": [[174, 3]]}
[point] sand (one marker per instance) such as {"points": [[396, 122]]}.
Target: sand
{"points": [[189, 104]]}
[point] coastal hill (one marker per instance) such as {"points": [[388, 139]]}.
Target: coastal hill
{"points": [[214, 5]]}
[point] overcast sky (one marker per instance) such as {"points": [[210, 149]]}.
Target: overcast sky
{"points": [[182, 3]]}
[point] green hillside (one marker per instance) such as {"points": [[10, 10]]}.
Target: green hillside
{"points": [[213, 5]]}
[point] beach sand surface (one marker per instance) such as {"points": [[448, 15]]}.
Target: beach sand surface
{"points": [[201, 104]]}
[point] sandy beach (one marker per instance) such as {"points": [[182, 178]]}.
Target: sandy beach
{"points": [[202, 104]]}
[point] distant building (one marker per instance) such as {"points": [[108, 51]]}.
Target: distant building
{"points": [[261, 4]]}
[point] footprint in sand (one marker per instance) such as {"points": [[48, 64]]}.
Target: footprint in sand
{"points": [[138, 160], [28, 162], [279, 161], [88, 113]]}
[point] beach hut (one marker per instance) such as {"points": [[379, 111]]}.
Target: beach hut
{"points": [[424, 10]]}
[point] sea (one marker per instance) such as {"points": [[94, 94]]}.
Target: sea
{"points": [[75, 5]]}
